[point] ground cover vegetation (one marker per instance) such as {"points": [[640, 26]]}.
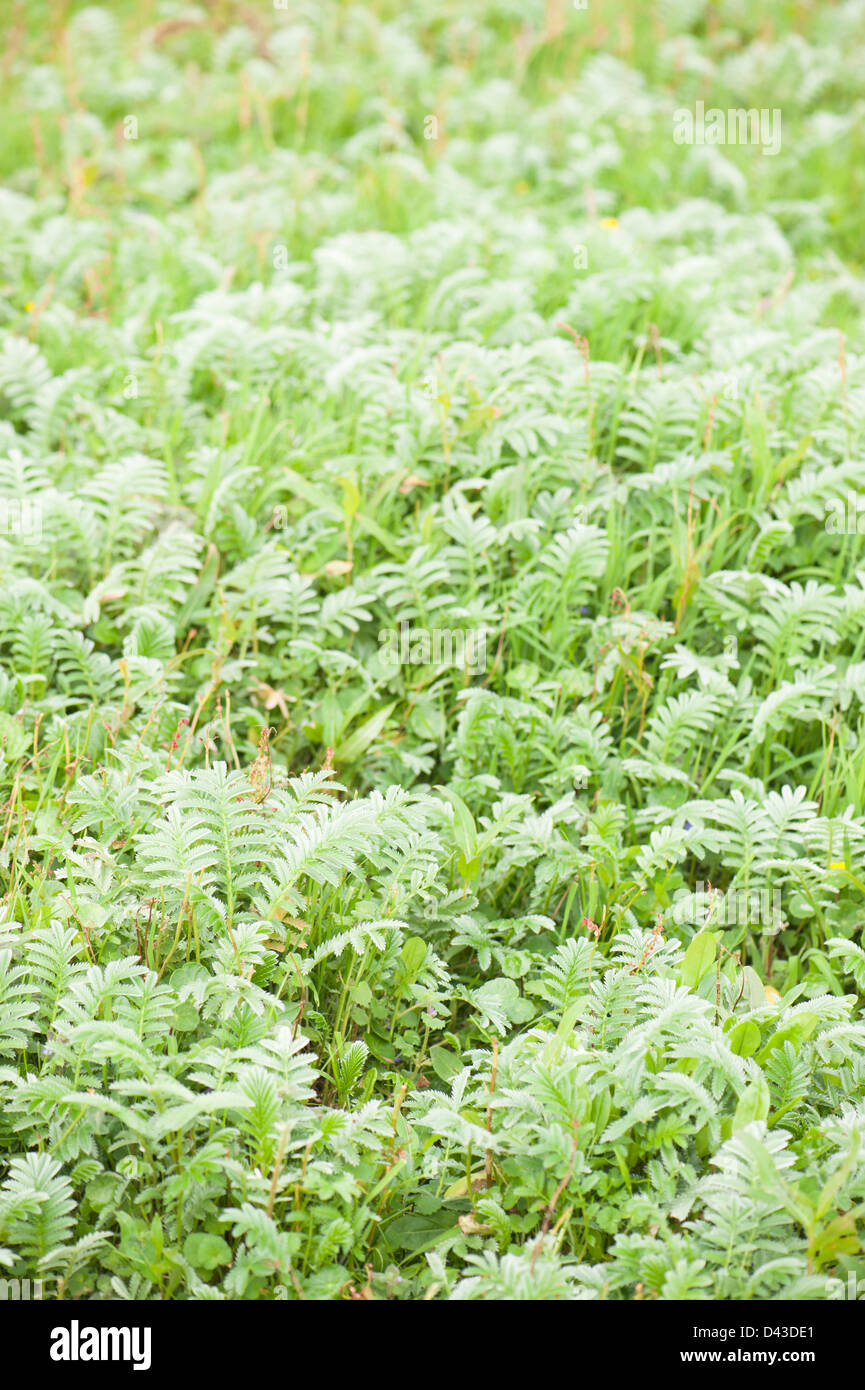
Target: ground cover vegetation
{"points": [[432, 651]]}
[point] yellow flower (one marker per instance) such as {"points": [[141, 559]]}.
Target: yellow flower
{"points": [[772, 995], [608, 222], [838, 864], [29, 306]]}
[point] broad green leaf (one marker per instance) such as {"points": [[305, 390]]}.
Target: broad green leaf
{"points": [[205, 1251], [753, 1104], [350, 749], [745, 1038], [465, 833], [413, 955], [699, 958]]}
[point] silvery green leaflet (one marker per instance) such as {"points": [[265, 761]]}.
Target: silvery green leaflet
{"points": [[432, 650]]}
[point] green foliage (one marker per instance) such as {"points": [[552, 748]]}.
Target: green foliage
{"points": [[432, 788]]}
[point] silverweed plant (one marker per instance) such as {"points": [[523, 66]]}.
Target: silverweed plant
{"points": [[432, 669]]}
